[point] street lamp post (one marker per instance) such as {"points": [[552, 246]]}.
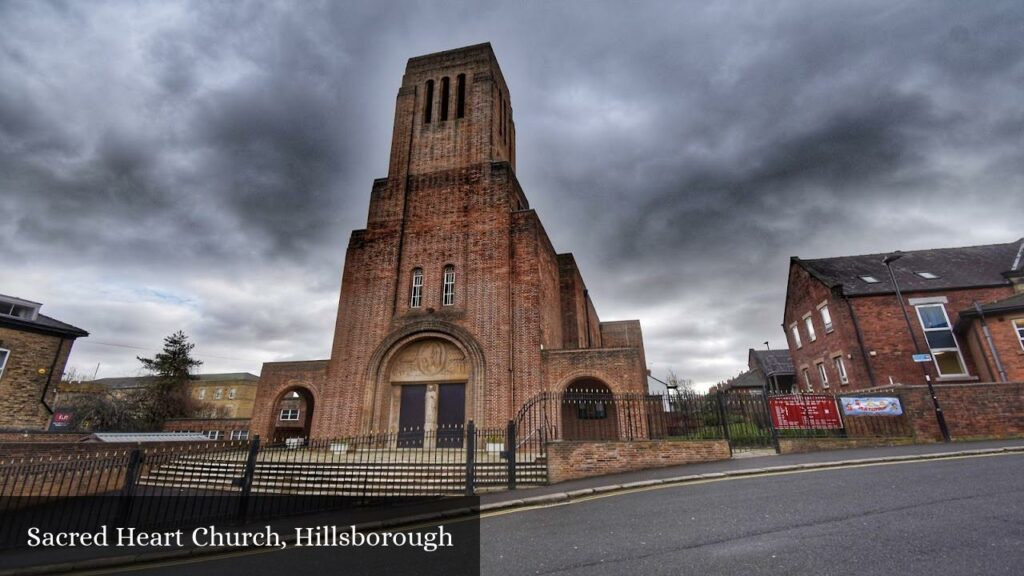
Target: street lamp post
{"points": [[939, 416]]}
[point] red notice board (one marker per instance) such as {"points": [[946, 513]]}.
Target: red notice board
{"points": [[805, 412]]}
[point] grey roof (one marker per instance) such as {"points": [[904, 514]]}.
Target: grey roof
{"points": [[773, 362], [748, 379], [136, 437], [964, 267], [43, 323], [120, 383]]}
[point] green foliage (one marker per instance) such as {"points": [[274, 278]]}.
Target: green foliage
{"points": [[169, 397]]}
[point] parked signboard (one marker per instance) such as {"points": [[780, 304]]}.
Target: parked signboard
{"points": [[872, 406], [805, 412]]}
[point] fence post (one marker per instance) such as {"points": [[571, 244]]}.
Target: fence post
{"points": [[131, 477], [510, 453], [720, 396], [771, 423], [247, 477], [470, 458]]}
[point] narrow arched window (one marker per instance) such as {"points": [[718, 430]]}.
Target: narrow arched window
{"points": [[460, 96], [445, 91], [501, 114], [428, 108], [417, 288], [448, 294]]}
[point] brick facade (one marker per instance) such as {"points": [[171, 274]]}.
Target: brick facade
{"points": [[573, 460], [870, 333], [521, 320], [29, 379]]}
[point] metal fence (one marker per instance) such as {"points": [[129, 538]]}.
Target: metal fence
{"points": [[246, 480], [822, 416]]}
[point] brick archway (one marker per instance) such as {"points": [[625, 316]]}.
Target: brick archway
{"points": [[380, 412], [292, 413], [588, 411]]}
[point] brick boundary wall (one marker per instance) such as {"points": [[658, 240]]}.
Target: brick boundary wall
{"points": [[570, 460], [804, 445], [973, 411]]}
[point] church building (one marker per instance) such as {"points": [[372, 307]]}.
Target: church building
{"points": [[454, 304]]}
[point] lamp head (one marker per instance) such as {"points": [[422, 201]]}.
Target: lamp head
{"points": [[892, 257]]}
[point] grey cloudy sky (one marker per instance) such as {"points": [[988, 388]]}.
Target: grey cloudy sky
{"points": [[201, 165]]}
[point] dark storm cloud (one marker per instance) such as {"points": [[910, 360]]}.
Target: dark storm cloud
{"points": [[200, 165]]}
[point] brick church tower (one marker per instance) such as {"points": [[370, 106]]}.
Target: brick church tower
{"points": [[454, 305]]}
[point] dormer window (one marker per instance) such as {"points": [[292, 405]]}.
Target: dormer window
{"points": [[927, 275], [869, 279], [19, 308]]}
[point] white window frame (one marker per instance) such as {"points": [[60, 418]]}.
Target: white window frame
{"points": [[949, 328], [218, 393], [795, 330], [809, 324], [202, 394], [448, 290], [416, 298], [5, 355], [289, 412], [807, 380], [1018, 327], [239, 435], [826, 318], [231, 394], [822, 375], [214, 434], [840, 364]]}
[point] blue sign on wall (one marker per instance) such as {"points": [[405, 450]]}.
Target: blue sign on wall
{"points": [[871, 406]]}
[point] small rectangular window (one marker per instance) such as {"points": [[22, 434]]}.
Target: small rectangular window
{"points": [[417, 289], [202, 394], [822, 375], [239, 435], [445, 91], [807, 380], [841, 369], [4, 355], [428, 106], [231, 393], [448, 294], [941, 341], [869, 279], [1018, 326], [218, 394], [826, 318], [796, 336], [214, 434], [289, 415], [810, 329]]}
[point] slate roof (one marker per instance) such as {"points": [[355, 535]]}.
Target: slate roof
{"points": [[748, 379], [773, 362], [43, 323], [964, 267]]}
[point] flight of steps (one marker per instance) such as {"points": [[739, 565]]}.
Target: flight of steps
{"points": [[339, 478]]}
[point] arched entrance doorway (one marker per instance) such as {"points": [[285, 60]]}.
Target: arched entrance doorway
{"points": [[293, 414], [589, 411], [428, 394]]}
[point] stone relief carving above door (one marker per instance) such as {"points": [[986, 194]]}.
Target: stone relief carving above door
{"points": [[430, 360]]}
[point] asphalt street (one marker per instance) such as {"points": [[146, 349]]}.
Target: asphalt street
{"points": [[955, 516]]}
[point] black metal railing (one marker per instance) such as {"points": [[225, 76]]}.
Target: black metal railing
{"points": [[244, 480]]}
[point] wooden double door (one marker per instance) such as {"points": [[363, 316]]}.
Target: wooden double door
{"points": [[449, 419]]}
